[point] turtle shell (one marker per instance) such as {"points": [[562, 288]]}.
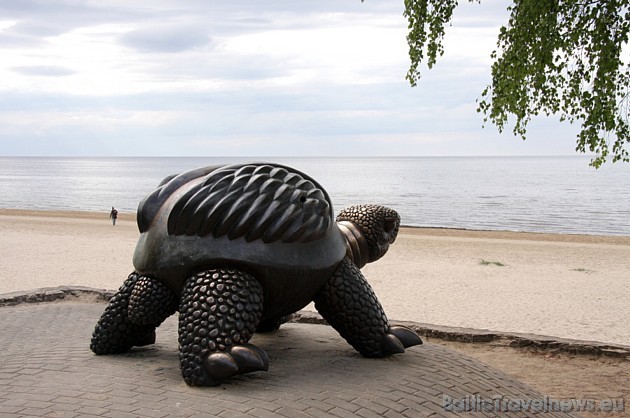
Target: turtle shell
{"points": [[270, 220]]}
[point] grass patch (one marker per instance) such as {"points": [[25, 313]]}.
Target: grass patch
{"points": [[491, 263]]}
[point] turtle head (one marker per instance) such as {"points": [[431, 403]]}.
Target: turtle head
{"points": [[369, 230]]}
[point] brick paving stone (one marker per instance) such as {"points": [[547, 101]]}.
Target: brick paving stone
{"points": [[200, 415], [233, 414], [7, 409], [19, 389], [30, 372], [144, 404], [35, 412], [213, 408], [91, 410], [67, 400], [38, 404], [393, 414], [97, 404], [311, 412], [370, 405], [95, 396], [340, 412], [268, 406], [13, 402], [66, 407], [118, 407], [294, 413], [367, 413], [62, 414], [148, 398], [117, 393], [119, 414], [342, 404], [390, 405], [313, 372], [144, 412], [235, 406], [262, 413]]}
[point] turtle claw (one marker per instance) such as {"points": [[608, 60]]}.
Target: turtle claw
{"points": [[239, 359], [250, 358], [406, 336], [392, 345], [398, 338]]}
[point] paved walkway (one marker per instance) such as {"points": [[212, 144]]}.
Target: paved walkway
{"points": [[47, 369]]}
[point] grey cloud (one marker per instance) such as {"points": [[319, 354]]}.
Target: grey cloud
{"points": [[54, 17], [28, 34], [35, 28], [69, 13], [45, 18], [229, 67], [165, 39], [44, 70], [16, 40], [312, 111], [39, 19]]}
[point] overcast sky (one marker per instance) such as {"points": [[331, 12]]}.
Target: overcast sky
{"points": [[245, 78]]}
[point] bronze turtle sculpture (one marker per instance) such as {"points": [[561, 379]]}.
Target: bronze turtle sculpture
{"points": [[238, 248]]}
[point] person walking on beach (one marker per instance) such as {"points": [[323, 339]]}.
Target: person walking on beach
{"points": [[113, 215]]}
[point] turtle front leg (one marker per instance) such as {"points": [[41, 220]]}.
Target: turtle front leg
{"points": [[350, 306], [219, 312], [140, 305]]}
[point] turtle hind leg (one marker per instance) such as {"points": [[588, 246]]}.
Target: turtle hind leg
{"points": [[150, 302], [131, 317], [350, 306], [219, 311]]}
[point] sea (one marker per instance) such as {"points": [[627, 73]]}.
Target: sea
{"points": [[532, 194]]}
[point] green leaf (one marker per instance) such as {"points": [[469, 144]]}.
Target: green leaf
{"points": [[554, 57]]}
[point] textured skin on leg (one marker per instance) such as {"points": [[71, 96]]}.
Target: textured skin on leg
{"points": [[219, 311], [350, 306], [151, 302], [115, 333]]}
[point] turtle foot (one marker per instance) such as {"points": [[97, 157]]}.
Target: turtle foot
{"points": [[219, 311], [398, 338], [349, 304], [221, 365], [239, 359], [117, 331]]}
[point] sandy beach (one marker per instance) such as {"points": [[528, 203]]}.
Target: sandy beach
{"points": [[566, 286], [559, 285]]}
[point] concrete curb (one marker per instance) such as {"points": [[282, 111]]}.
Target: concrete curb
{"points": [[53, 294], [497, 338], [464, 335]]}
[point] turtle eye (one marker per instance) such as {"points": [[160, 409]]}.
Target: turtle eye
{"points": [[302, 198], [389, 226]]}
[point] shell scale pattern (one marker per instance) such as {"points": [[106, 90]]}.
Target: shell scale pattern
{"points": [[251, 201]]}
